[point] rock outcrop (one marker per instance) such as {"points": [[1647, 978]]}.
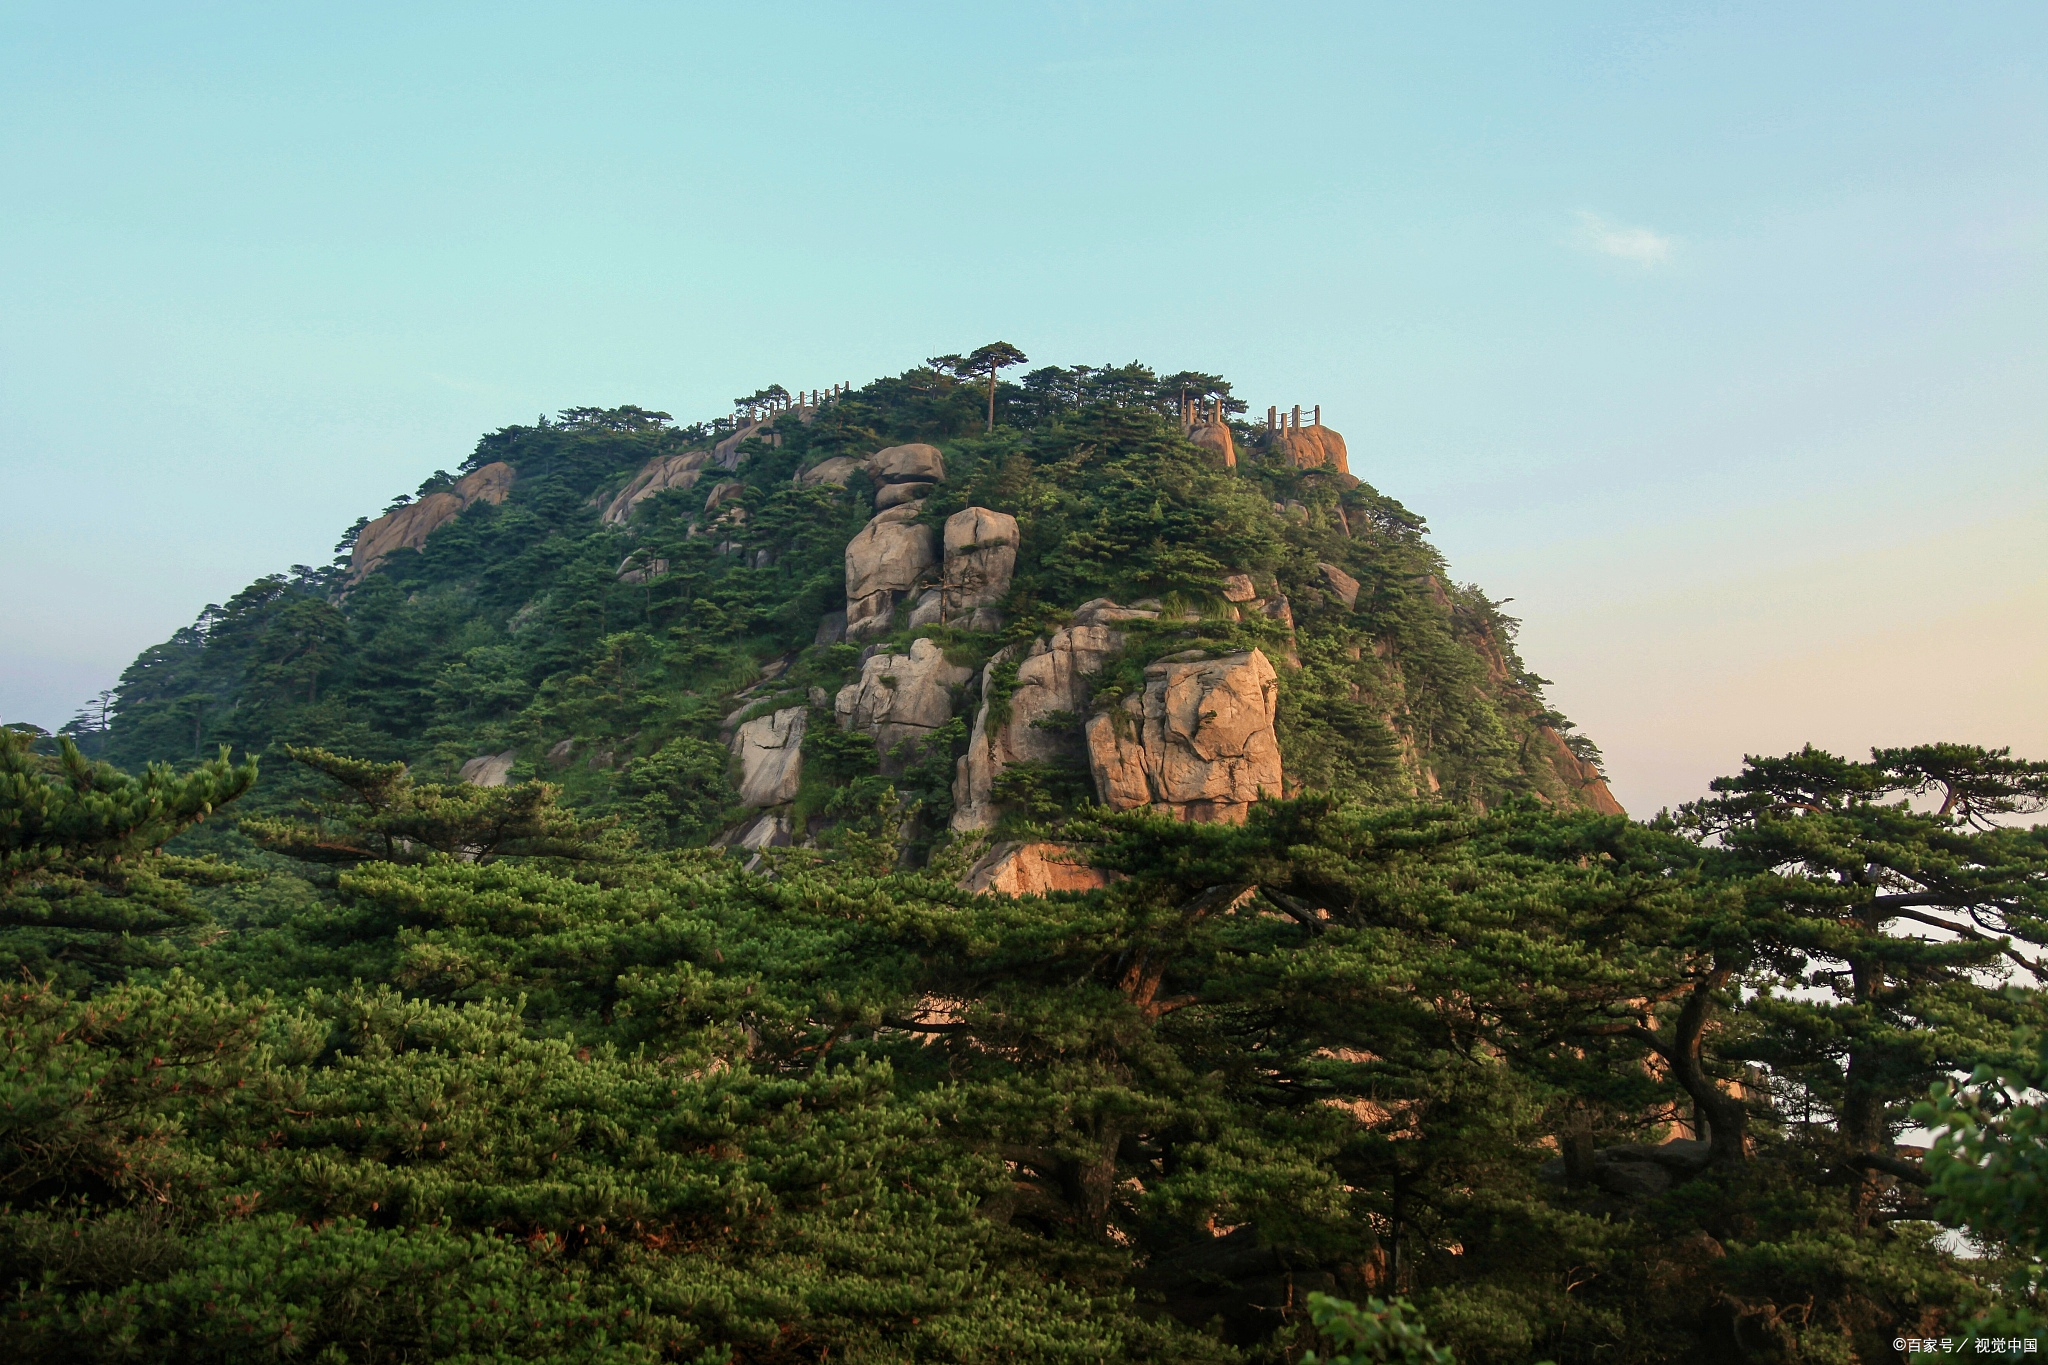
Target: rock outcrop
{"points": [[1015, 869], [1199, 744], [915, 463], [490, 770], [930, 609], [887, 558], [981, 558], [901, 696], [836, 470], [770, 751], [1342, 585], [658, 475], [1215, 438], [1314, 447], [1045, 706], [409, 526], [1580, 778], [637, 570], [896, 494], [726, 454]]}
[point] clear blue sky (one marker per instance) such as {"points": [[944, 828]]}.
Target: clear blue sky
{"points": [[1715, 335]]}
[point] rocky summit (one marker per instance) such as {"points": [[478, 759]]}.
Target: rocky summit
{"points": [[1117, 594]]}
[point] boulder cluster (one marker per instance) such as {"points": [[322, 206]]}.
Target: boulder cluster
{"points": [[955, 576], [1197, 743]]}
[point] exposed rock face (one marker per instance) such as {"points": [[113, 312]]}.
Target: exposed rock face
{"points": [[930, 609], [888, 557], [634, 569], [838, 470], [490, 770], [901, 696], [658, 475], [726, 454], [915, 463], [1342, 585], [1052, 679], [1200, 743], [896, 494], [409, 527], [1314, 448], [1215, 438], [1580, 778], [1101, 611], [770, 751], [1238, 587], [771, 829], [723, 494], [981, 558], [1014, 869]]}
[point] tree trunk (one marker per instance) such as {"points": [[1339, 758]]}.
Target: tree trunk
{"points": [[991, 398], [1727, 1118], [1863, 1127]]}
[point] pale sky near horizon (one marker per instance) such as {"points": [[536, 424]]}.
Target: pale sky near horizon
{"points": [[1714, 335]]}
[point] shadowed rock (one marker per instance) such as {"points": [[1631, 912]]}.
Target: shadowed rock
{"points": [[1052, 683], [770, 751]]}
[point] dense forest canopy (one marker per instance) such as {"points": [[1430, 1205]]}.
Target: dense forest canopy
{"points": [[559, 929]]}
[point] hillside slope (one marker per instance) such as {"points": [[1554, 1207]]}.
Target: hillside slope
{"points": [[859, 604]]}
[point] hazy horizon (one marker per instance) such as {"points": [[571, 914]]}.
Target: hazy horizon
{"points": [[1711, 336]]}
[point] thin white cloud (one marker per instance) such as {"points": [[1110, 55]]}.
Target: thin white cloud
{"points": [[1637, 245]]}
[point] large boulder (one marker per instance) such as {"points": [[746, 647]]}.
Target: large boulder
{"points": [[1014, 869], [896, 494], [490, 770], [901, 696], [1199, 744], [916, 463], [409, 526], [1045, 706], [770, 751], [637, 569], [887, 558], [658, 475], [1215, 438], [1342, 585], [1315, 447], [981, 558], [836, 470]]}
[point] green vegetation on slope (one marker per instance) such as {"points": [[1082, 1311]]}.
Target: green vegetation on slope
{"points": [[513, 629], [420, 1070]]}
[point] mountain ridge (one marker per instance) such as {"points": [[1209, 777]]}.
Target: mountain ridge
{"points": [[603, 595]]}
